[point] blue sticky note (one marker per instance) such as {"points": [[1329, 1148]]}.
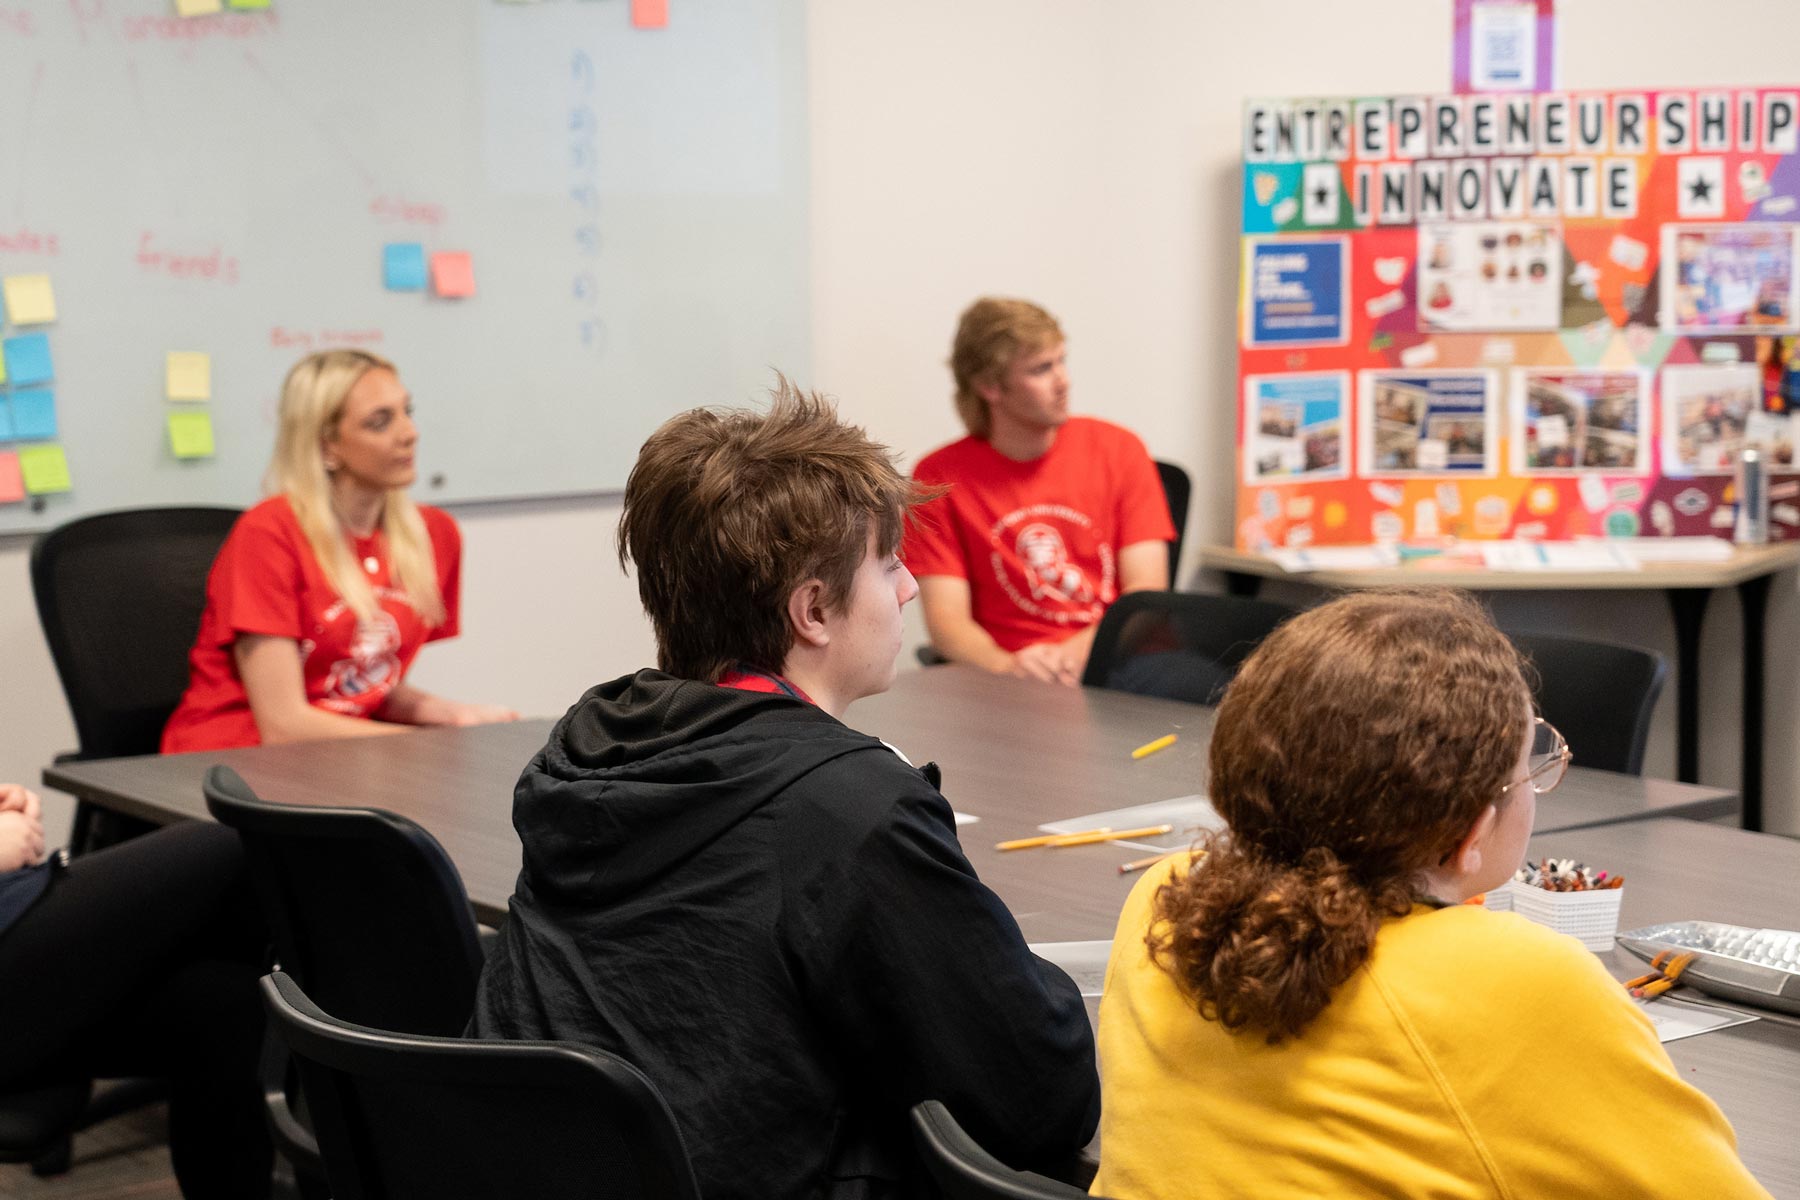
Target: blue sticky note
{"points": [[6, 433], [403, 266], [28, 359], [34, 414]]}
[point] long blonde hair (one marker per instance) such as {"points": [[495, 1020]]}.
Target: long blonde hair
{"points": [[312, 403]]}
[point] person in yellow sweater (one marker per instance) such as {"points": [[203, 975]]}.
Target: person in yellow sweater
{"points": [[1303, 1007]]}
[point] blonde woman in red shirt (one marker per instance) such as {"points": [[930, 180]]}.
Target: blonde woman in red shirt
{"points": [[324, 592]]}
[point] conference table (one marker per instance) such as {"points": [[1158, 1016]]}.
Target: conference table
{"points": [[1686, 585], [1016, 754]]}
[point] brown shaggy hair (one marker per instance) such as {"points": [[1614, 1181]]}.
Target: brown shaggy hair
{"points": [[1355, 748], [727, 511], [989, 336]]}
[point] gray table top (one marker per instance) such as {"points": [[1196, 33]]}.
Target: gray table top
{"points": [[1013, 753], [1682, 871], [1016, 754]]}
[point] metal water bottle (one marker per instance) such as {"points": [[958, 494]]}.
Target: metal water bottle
{"points": [[1753, 497]]}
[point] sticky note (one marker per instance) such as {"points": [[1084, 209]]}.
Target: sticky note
{"points": [[187, 375], [403, 267], [452, 273], [249, 3], [44, 469], [30, 300], [196, 8], [28, 359], [12, 484], [650, 14], [34, 414], [191, 433], [6, 429]]}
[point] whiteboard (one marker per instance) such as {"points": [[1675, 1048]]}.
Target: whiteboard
{"points": [[634, 202]]}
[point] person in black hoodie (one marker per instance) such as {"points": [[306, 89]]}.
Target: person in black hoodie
{"points": [[764, 910]]}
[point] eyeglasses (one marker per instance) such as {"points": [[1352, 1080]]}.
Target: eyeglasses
{"points": [[1549, 758]]}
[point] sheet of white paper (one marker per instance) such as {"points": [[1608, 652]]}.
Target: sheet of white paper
{"points": [[1188, 814], [1335, 558], [1674, 549], [1556, 556], [1085, 962], [963, 818], [1683, 1018]]}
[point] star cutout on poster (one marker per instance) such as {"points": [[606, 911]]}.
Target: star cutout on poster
{"points": [[1700, 187]]}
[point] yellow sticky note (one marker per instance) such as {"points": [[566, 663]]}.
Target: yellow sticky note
{"points": [[45, 468], [191, 433], [249, 3], [188, 375], [197, 8], [30, 300]]}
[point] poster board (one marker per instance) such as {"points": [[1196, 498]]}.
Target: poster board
{"points": [[633, 204], [1514, 315]]}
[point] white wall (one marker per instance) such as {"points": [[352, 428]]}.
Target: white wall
{"points": [[1082, 153]]}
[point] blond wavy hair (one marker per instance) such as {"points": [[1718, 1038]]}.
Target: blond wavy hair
{"points": [[312, 404], [991, 333]]}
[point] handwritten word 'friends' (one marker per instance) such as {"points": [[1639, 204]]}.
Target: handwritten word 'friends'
{"points": [[215, 266]]}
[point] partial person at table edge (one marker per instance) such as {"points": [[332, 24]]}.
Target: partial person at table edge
{"points": [[1048, 517], [1304, 1005], [140, 960], [768, 912], [325, 591]]}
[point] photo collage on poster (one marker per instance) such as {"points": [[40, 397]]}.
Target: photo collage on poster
{"points": [[1542, 315], [1581, 420]]}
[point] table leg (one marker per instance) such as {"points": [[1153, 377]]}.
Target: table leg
{"points": [[1242, 583], [1688, 607], [1753, 598]]}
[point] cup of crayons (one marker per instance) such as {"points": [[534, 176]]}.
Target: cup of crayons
{"points": [[1567, 896]]}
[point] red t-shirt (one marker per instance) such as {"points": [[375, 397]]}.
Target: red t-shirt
{"points": [[266, 580], [1038, 541]]}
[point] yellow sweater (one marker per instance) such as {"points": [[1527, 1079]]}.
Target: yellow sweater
{"points": [[1474, 1055]]}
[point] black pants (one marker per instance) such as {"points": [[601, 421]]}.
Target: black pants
{"points": [[142, 960]]}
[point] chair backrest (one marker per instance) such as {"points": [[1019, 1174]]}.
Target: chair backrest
{"points": [[401, 1116], [1178, 645], [964, 1171], [1177, 488], [120, 596], [366, 909], [1600, 695]]}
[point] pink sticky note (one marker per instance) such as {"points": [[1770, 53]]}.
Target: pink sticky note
{"points": [[452, 273], [12, 483], [650, 14]]}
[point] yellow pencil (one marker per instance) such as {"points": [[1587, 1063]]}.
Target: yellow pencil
{"points": [[1138, 864], [1149, 748], [1032, 843], [1107, 835]]}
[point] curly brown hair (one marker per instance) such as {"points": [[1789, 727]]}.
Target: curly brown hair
{"points": [[727, 511], [1353, 751]]}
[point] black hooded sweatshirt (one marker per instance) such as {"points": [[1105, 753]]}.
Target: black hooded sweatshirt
{"points": [[769, 914]]}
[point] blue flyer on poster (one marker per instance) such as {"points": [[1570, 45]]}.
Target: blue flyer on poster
{"points": [[1295, 426], [1296, 292]]}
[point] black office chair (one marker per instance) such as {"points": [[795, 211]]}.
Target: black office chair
{"points": [[402, 1116], [1177, 488], [1599, 695], [367, 912], [119, 596], [964, 1171], [1178, 645]]}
